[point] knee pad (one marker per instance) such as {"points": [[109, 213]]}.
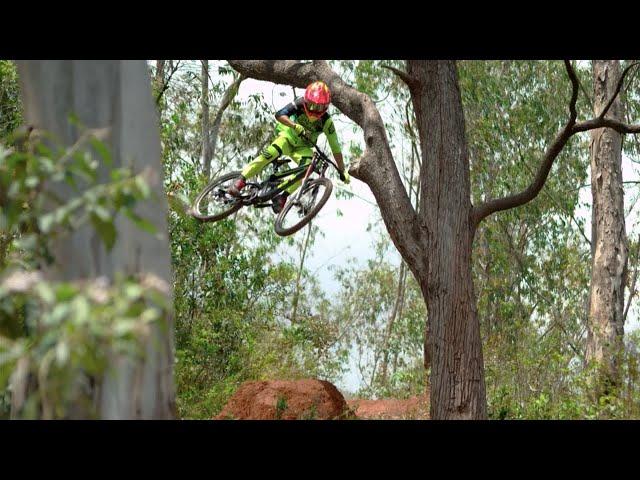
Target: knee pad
{"points": [[271, 152]]}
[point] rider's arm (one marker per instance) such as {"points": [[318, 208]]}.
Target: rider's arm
{"points": [[284, 113], [285, 120], [339, 161], [332, 137]]}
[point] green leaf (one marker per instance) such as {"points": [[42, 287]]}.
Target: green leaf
{"points": [[102, 150], [102, 213], [46, 222], [45, 292], [74, 119], [32, 182], [133, 291], [65, 292], [143, 186], [105, 229]]}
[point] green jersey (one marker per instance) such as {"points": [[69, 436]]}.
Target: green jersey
{"points": [[295, 111]]}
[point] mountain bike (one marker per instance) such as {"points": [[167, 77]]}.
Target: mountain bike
{"points": [[215, 203]]}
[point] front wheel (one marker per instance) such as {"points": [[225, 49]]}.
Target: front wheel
{"points": [[214, 203], [296, 214]]}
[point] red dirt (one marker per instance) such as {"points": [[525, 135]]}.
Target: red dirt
{"points": [[315, 399], [414, 408], [285, 400]]}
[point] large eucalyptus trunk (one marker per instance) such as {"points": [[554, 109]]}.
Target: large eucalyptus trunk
{"points": [[114, 95], [609, 246], [457, 371]]}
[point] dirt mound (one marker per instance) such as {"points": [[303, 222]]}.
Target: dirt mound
{"points": [[285, 400], [414, 408]]}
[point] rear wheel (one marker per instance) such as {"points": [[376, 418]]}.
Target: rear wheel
{"points": [[296, 214], [214, 203]]}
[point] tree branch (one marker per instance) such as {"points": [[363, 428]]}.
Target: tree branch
{"points": [[485, 209], [165, 85], [617, 90], [227, 98], [376, 167], [616, 125], [409, 80]]}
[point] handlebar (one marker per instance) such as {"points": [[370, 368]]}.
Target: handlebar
{"points": [[322, 154]]}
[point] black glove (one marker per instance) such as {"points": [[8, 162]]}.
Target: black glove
{"points": [[345, 177]]}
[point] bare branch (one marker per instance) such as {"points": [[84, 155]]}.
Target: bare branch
{"points": [[616, 125], [227, 98], [165, 84], [571, 128], [575, 84], [617, 90], [409, 80]]}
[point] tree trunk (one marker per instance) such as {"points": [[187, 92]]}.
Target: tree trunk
{"points": [[609, 246], [395, 314], [204, 109], [158, 79], [457, 371], [296, 294], [114, 95]]}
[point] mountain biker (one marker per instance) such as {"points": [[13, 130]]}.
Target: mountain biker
{"points": [[304, 117]]}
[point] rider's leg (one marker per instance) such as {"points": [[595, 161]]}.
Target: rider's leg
{"points": [[302, 156], [279, 146]]}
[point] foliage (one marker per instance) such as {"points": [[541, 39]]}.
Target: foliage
{"points": [[56, 337], [10, 102]]}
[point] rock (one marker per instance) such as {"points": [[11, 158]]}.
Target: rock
{"points": [[307, 399]]}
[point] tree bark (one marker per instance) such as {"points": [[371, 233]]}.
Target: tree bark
{"points": [[204, 110], [115, 95], [158, 79], [457, 372], [227, 98], [609, 246]]}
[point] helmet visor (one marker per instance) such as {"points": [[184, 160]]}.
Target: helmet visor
{"points": [[316, 107]]}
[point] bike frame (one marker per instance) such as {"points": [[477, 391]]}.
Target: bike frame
{"points": [[302, 172]]}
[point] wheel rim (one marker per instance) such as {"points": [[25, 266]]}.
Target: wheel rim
{"points": [[216, 200], [297, 211]]}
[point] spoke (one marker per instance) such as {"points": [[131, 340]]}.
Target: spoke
{"points": [[302, 206]]}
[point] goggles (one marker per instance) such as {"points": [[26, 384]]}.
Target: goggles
{"points": [[316, 107]]}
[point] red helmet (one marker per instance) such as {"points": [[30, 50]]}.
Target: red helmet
{"points": [[317, 99]]}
